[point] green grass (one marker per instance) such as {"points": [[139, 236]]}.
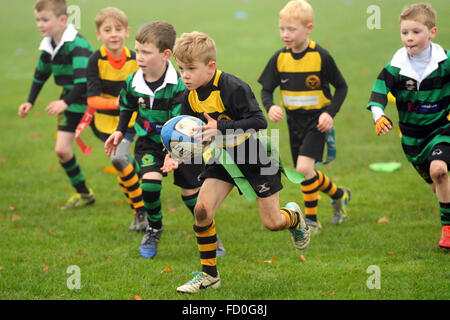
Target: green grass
{"points": [[36, 250]]}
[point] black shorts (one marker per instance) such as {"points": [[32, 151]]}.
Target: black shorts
{"points": [[68, 121], [150, 156], [264, 178], [304, 137], [439, 152]]}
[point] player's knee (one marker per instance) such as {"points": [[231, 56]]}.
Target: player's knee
{"points": [[201, 212], [306, 170], [119, 162], [63, 154], [438, 172]]}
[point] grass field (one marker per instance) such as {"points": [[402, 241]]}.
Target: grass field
{"points": [[38, 242]]}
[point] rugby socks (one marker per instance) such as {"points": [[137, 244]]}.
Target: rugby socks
{"points": [[328, 187], [190, 201], [75, 175], [292, 218], [310, 190], [151, 191], [444, 211], [129, 181], [125, 192], [207, 245]]}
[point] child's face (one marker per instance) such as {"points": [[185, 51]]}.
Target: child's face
{"points": [[294, 34], [113, 34], [196, 74], [49, 24], [149, 59], [416, 36]]}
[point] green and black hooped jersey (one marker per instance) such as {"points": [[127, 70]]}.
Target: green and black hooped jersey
{"points": [[106, 81], [154, 108], [67, 62], [304, 80], [423, 105]]}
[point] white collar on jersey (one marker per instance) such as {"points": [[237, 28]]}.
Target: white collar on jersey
{"points": [[69, 35], [401, 61], [140, 86]]}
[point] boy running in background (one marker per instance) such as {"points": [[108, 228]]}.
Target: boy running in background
{"points": [[304, 71], [156, 92], [107, 71], [418, 76], [227, 103], [65, 54]]}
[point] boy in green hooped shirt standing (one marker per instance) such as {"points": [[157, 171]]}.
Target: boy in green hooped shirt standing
{"points": [[65, 54], [156, 91], [418, 76]]}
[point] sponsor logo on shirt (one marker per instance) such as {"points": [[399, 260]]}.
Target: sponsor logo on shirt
{"points": [[424, 107]]}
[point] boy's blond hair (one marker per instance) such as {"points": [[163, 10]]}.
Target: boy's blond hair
{"points": [[195, 46], [420, 12], [297, 10], [113, 13], [58, 7], [162, 34]]}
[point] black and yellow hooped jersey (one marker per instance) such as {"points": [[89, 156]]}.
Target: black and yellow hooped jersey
{"points": [[301, 85], [106, 80], [212, 104], [303, 78], [228, 100]]}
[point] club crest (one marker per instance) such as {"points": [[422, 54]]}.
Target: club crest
{"points": [[141, 102], [410, 85], [312, 82]]}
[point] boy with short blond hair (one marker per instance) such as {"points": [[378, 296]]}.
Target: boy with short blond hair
{"points": [[65, 54], [304, 71], [111, 13], [107, 71], [227, 103], [156, 92], [418, 76]]}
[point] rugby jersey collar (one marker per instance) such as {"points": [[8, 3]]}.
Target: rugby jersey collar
{"points": [[401, 61], [140, 86], [69, 35]]}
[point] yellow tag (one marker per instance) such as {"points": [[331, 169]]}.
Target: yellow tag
{"points": [[391, 98], [207, 154]]}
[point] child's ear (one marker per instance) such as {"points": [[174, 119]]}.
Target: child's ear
{"points": [[167, 54], [63, 19], [212, 66], [128, 32], [97, 33], [309, 27], [433, 32]]}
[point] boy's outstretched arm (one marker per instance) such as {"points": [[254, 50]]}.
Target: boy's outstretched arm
{"points": [[113, 142], [24, 108], [41, 74], [378, 100], [382, 123]]}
